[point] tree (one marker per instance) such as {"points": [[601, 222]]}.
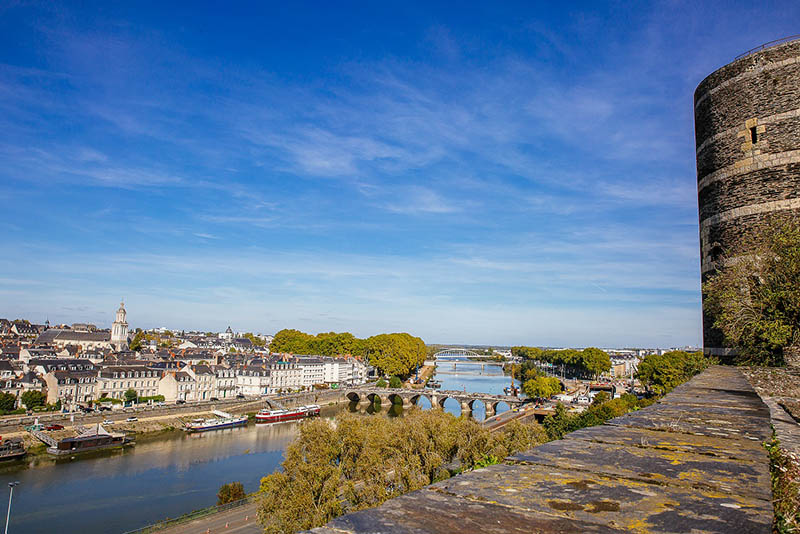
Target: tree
{"points": [[660, 373], [233, 491], [33, 399], [392, 354], [255, 340], [8, 402], [130, 395], [541, 387], [600, 398], [136, 343], [754, 299], [381, 383], [360, 462], [595, 361], [395, 382]]}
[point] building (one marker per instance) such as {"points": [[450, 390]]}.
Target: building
{"points": [[747, 134], [71, 387], [114, 381], [119, 329], [177, 385], [225, 383], [253, 380]]}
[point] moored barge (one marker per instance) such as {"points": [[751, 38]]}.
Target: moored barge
{"points": [[223, 420], [279, 416]]}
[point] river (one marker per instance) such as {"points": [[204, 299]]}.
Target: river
{"points": [[175, 473]]}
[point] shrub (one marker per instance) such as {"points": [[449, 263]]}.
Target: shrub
{"points": [[233, 491], [395, 382]]}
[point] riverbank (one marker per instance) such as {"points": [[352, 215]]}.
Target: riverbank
{"points": [[151, 424]]}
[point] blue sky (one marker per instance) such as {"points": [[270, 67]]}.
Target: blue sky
{"points": [[509, 174]]}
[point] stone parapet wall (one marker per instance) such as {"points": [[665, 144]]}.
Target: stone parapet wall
{"points": [[694, 462]]}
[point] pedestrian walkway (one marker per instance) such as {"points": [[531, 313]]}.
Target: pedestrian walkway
{"points": [[693, 462]]}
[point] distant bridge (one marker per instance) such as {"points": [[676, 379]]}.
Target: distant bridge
{"points": [[437, 398], [455, 352]]}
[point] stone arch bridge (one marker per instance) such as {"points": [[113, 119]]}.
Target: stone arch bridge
{"points": [[437, 398]]}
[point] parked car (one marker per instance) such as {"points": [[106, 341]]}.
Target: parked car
{"points": [[104, 408], [54, 427], [214, 399], [180, 401], [240, 395], [132, 419], [108, 422]]}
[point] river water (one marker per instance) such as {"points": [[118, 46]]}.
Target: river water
{"points": [[175, 473]]}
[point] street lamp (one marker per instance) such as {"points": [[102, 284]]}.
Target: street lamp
{"points": [[10, 494]]}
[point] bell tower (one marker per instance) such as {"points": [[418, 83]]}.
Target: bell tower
{"points": [[119, 329]]}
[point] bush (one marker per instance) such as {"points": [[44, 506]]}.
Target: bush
{"points": [[233, 491], [33, 399], [395, 382], [562, 422], [154, 398], [381, 383], [8, 402]]}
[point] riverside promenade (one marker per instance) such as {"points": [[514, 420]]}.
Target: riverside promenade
{"points": [[693, 462]]}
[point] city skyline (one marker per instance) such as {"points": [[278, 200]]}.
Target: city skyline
{"points": [[504, 175]]}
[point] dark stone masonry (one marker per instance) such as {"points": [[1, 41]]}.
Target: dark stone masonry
{"points": [[694, 462], [747, 133]]}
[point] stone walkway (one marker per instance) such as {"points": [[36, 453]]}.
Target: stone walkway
{"points": [[691, 463]]}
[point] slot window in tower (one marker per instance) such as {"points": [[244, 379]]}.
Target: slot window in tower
{"points": [[753, 135]]}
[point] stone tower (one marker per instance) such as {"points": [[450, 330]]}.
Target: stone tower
{"points": [[119, 329], [747, 135]]}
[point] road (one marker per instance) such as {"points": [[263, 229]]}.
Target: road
{"points": [[240, 520]]}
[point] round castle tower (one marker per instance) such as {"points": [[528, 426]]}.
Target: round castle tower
{"points": [[747, 135]]}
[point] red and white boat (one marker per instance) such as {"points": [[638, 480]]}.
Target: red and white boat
{"points": [[277, 416]]}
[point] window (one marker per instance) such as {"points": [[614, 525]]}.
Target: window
{"points": [[753, 135]]}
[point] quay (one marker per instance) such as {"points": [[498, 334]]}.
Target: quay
{"points": [[694, 462]]}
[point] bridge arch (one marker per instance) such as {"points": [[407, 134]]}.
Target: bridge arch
{"points": [[394, 398], [455, 352], [353, 397], [377, 397]]}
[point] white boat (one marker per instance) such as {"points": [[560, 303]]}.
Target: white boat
{"points": [[223, 420]]}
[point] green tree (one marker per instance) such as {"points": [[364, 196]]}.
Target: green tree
{"points": [[381, 383], [541, 387], [754, 299], [395, 382], [130, 395], [8, 402], [660, 373], [255, 340], [230, 492], [600, 398], [33, 399], [136, 343], [595, 361]]}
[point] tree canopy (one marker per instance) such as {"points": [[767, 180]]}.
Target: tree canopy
{"points": [[33, 399], [589, 363], [660, 373], [359, 462], [754, 299], [392, 354], [230, 492], [541, 387]]}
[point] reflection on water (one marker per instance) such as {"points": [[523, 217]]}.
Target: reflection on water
{"points": [[116, 491], [176, 473]]}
